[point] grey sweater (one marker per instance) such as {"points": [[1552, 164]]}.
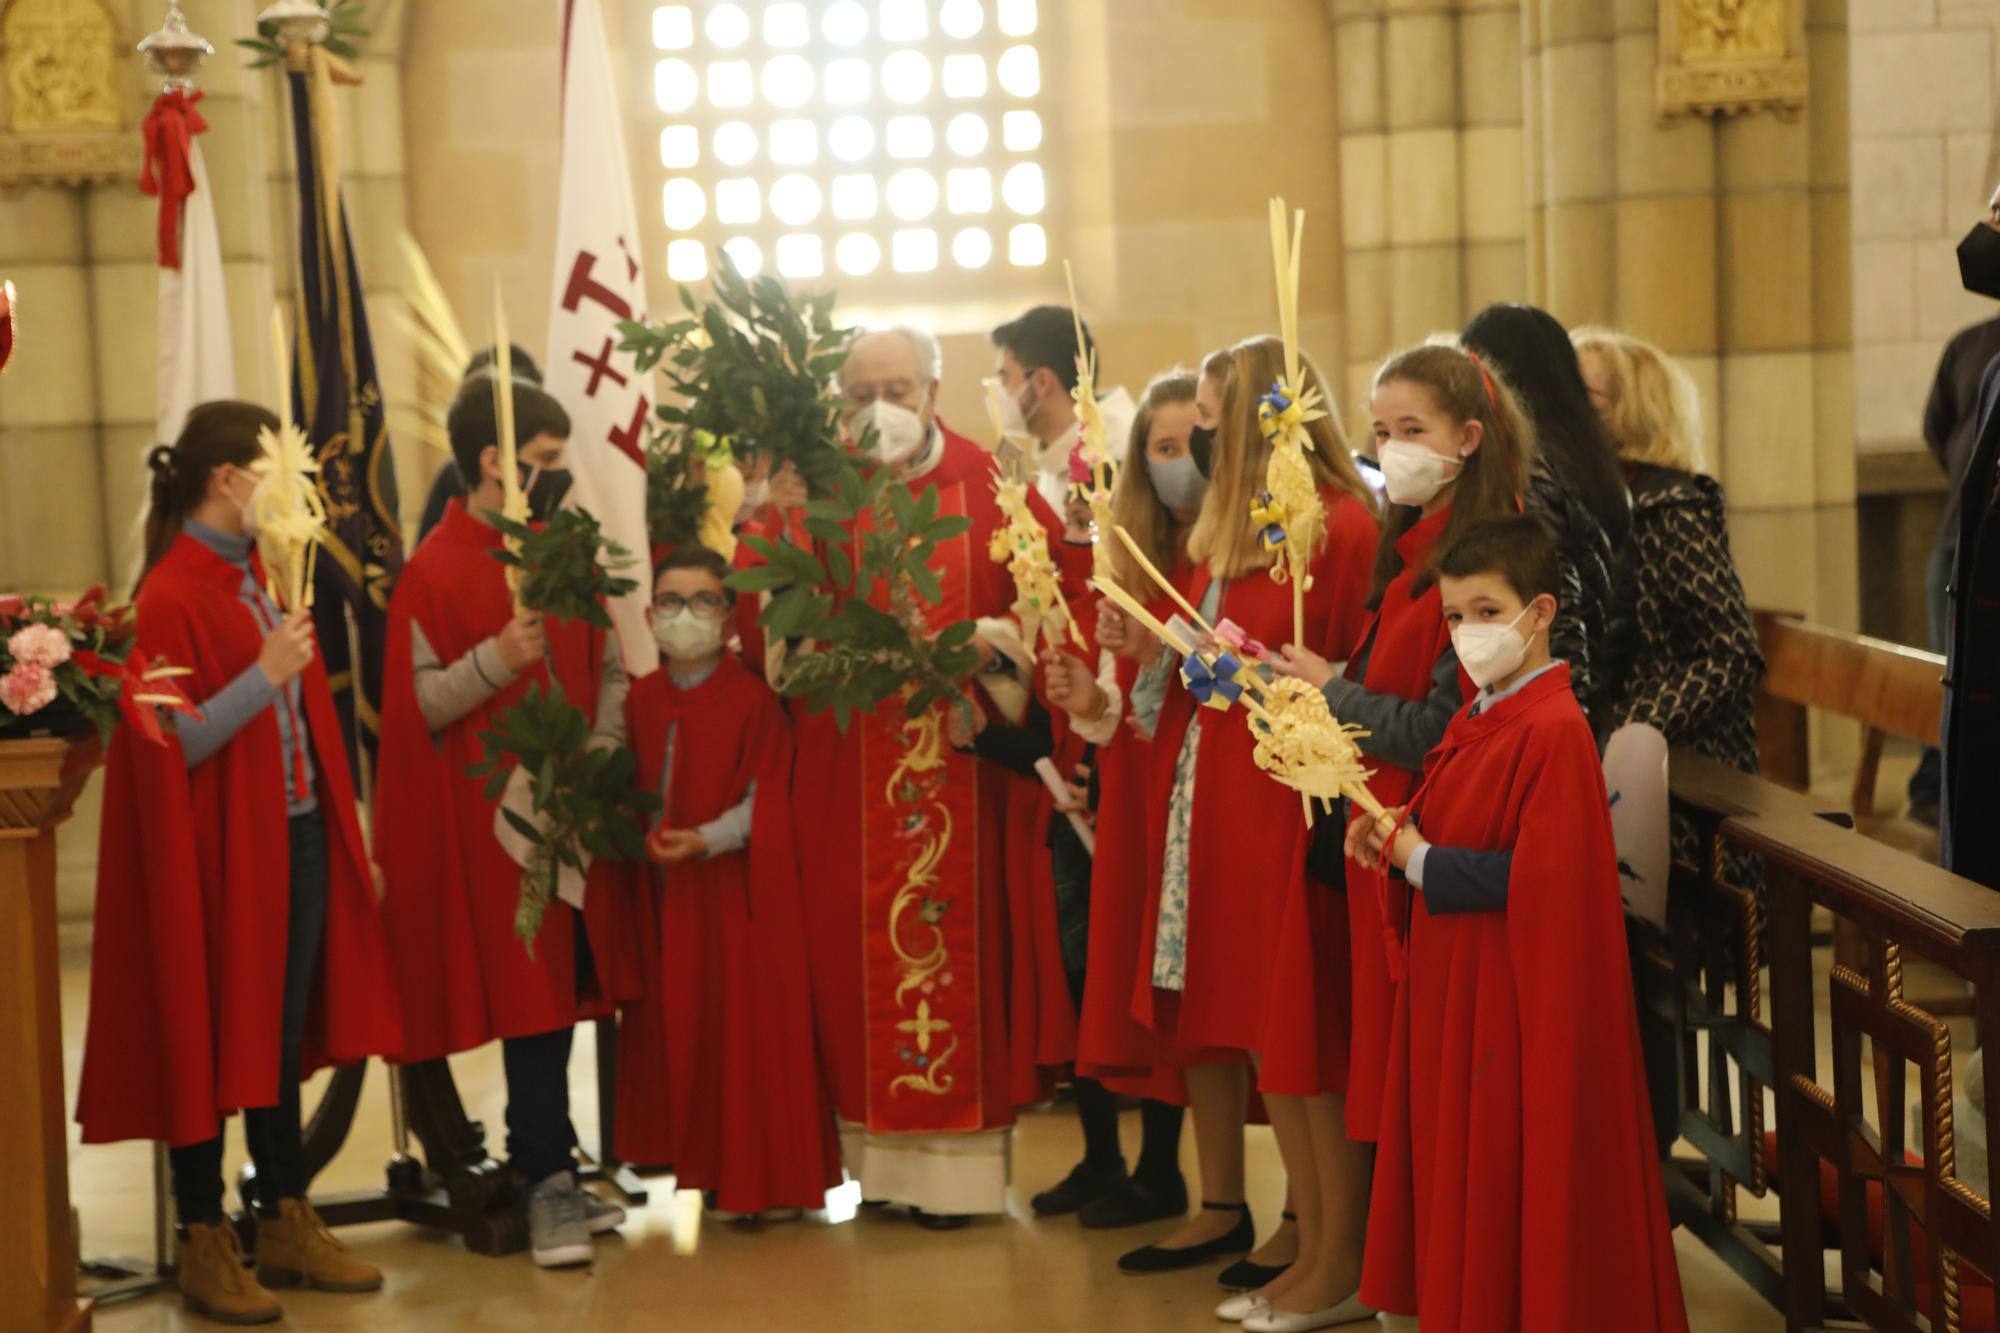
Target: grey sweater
{"points": [[231, 708]]}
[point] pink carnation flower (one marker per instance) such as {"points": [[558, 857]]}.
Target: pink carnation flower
{"points": [[39, 645], [27, 688]]}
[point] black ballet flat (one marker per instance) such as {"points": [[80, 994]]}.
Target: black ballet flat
{"points": [[940, 1221], [1246, 1276], [1240, 1239], [1135, 1203]]}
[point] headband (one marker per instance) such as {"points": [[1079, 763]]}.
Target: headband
{"points": [[1492, 396]]}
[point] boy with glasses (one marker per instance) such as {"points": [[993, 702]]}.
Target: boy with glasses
{"points": [[721, 1075]]}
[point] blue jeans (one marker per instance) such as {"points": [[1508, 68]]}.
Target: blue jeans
{"points": [[1926, 781]]}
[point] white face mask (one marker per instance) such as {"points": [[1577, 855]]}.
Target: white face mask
{"points": [[685, 636], [755, 493], [1491, 652], [1005, 409], [248, 508], [899, 432], [1412, 474]]}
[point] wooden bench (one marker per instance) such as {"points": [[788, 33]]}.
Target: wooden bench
{"points": [[1889, 688]]}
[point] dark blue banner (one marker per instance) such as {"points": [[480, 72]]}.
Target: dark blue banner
{"points": [[337, 398]]}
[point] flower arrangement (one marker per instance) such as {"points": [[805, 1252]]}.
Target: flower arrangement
{"points": [[67, 668]]}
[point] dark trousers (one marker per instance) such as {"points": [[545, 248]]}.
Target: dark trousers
{"points": [[1926, 782], [272, 1132], [540, 1138]]}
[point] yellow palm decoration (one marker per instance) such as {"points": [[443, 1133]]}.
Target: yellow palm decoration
{"points": [[1290, 518], [289, 511]]}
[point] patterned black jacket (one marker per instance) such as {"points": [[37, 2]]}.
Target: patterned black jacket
{"points": [[1696, 670]]}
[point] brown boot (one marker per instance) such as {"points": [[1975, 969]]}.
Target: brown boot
{"points": [[215, 1281], [295, 1248]]}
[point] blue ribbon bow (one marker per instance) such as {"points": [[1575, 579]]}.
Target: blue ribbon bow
{"points": [[1214, 687]]}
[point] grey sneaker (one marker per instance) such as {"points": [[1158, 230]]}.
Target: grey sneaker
{"points": [[558, 1234], [600, 1215]]}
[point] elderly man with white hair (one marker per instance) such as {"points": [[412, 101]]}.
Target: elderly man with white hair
{"points": [[914, 973]]}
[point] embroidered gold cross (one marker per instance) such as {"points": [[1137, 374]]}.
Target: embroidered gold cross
{"points": [[923, 1025]]}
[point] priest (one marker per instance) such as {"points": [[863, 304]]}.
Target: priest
{"points": [[904, 895]]}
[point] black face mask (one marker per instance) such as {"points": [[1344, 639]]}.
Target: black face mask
{"points": [[1979, 261], [1201, 445], [546, 488]]}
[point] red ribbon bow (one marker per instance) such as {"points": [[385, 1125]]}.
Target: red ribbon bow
{"points": [[170, 129]]}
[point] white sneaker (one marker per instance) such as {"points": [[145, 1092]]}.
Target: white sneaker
{"points": [[1240, 1307]]}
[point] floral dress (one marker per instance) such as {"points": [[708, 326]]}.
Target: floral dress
{"points": [[1170, 942]]}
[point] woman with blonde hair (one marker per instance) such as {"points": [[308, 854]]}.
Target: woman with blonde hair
{"points": [[1154, 500], [1249, 958], [1698, 662]]}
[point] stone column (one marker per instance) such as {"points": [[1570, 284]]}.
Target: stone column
{"points": [[1726, 243], [1431, 169], [51, 534]]}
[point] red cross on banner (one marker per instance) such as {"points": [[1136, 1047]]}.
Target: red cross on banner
{"points": [[598, 282]]}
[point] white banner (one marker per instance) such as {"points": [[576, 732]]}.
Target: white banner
{"points": [[197, 360], [598, 282]]}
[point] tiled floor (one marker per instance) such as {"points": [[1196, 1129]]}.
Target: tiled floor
{"points": [[671, 1269]]}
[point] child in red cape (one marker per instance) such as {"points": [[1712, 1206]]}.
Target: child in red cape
{"points": [[238, 945], [1452, 445], [734, 1099], [459, 654], [1154, 499], [1517, 1185]]}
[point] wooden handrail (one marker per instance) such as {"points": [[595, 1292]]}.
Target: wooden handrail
{"points": [[1911, 901]]}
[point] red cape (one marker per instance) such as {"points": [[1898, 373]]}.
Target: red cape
{"points": [[827, 782], [1112, 1044], [1409, 636], [717, 1069], [464, 977], [1267, 948], [1516, 1182], [193, 897]]}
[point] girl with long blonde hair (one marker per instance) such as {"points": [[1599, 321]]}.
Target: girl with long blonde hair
{"points": [[1155, 499], [1249, 959]]}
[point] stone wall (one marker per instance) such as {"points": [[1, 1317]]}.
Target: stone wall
{"points": [[1924, 105], [1168, 126]]}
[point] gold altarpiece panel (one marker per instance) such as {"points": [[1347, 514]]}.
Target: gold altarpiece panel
{"points": [[68, 109], [1725, 57]]}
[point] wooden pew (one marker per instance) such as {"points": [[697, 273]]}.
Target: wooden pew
{"points": [[1906, 1232], [1905, 1229], [1889, 688]]}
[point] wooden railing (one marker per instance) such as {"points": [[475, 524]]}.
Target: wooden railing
{"points": [[1704, 983]]}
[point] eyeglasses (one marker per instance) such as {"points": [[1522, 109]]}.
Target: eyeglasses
{"points": [[707, 605]]}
